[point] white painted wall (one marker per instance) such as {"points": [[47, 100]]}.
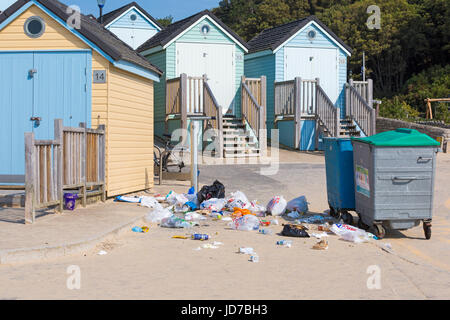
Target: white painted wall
{"points": [[132, 36], [214, 60]]}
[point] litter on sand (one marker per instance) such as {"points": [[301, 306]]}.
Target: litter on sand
{"points": [[321, 245], [352, 234], [292, 230], [244, 250], [102, 253]]}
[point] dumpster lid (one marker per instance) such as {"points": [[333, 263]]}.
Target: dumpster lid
{"points": [[400, 138]]}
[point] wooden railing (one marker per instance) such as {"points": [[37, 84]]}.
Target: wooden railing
{"points": [[173, 96], [213, 110], [195, 95], [327, 113], [358, 109], [295, 96], [285, 100], [365, 90], [253, 107], [75, 159]]}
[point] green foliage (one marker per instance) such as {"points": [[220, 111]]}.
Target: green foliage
{"points": [[397, 109], [165, 21]]}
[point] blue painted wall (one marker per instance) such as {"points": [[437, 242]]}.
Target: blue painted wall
{"points": [[61, 88]]}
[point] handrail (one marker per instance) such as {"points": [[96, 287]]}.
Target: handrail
{"points": [[253, 108], [360, 111], [327, 113], [285, 98], [212, 109], [173, 96]]}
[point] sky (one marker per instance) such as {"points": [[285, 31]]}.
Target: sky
{"points": [[179, 9]]}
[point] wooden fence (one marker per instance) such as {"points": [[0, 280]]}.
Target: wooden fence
{"points": [[365, 90], [253, 107], [327, 113], [296, 95], [74, 160]]}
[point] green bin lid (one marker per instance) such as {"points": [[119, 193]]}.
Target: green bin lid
{"points": [[399, 138]]}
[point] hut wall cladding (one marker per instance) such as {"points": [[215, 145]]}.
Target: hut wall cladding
{"points": [[130, 133], [125, 98]]}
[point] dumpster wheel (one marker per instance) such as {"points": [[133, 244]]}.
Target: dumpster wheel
{"points": [[347, 217], [378, 230], [427, 229]]}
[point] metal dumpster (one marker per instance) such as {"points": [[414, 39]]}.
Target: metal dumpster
{"points": [[340, 181], [394, 180]]}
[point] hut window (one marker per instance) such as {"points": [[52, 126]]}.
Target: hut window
{"points": [[133, 17], [34, 27], [205, 29], [312, 34]]}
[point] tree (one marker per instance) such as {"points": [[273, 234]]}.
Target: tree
{"points": [[165, 21]]}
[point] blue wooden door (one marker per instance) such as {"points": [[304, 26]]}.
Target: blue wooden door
{"points": [[60, 90], [44, 85], [16, 101]]}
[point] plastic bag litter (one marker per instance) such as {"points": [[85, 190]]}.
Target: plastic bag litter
{"points": [[352, 234], [150, 202], [216, 190], [193, 216], [320, 235], [277, 206], [238, 200], [294, 215], [298, 231], [299, 205], [128, 199], [312, 219], [213, 204], [257, 209], [246, 250], [245, 223], [174, 222], [157, 215]]}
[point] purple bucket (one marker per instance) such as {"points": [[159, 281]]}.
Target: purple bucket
{"points": [[69, 200]]}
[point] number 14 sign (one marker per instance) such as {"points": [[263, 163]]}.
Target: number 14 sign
{"points": [[99, 76]]}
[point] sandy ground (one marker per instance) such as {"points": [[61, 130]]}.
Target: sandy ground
{"points": [[155, 266]]}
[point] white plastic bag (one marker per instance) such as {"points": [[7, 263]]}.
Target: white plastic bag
{"points": [[257, 209], [299, 205], [174, 222], [277, 206], [213, 204], [155, 216], [245, 223], [350, 233], [238, 200], [150, 202]]}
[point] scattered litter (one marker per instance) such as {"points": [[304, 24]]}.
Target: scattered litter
{"points": [[238, 200], [299, 205], [238, 212], [174, 222], [213, 204], [277, 206], [227, 219], [265, 223], [145, 229], [291, 230], [294, 215], [324, 227], [312, 219], [102, 253], [157, 215], [257, 209], [150, 202], [265, 231], [275, 222], [352, 234], [254, 258], [137, 229], [209, 246], [245, 223], [128, 199], [285, 243], [201, 237], [191, 205], [193, 216], [217, 243], [320, 235], [246, 250], [180, 237], [216, 190], [321, 245]]}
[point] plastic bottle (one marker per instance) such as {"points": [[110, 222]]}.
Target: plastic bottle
{"points": [[201, 237], [254, 258], [284, 242], [265, 231]]}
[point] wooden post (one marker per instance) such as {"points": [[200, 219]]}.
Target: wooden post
{"points": [[297, 111], [102, 160], [429, 110], [59, 138], [220, 131], [263, 112], [243, 101], [370, 93], [30, 165], [350, 103], [83, 165], [316, 142], [183, 106]]}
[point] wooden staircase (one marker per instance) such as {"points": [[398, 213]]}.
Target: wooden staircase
{"points": [[238, 142], [349, 128]]}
